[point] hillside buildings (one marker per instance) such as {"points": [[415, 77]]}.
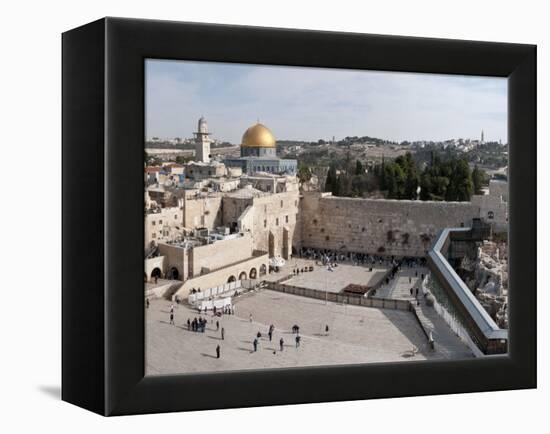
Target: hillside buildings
{"points": [[206, 217]]}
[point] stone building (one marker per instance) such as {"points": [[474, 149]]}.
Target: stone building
{"points": [[163, 224], [199, 170], [204, 261], [225, 222], [271, 219], [259, 153]]}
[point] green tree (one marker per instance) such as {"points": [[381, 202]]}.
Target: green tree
{"points": [[359, 169], [304, 173], [344, 185], [460, 185], [478, 180], [331, 181]]}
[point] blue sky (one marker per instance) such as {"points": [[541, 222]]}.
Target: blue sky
{"points": [[318, 103]]}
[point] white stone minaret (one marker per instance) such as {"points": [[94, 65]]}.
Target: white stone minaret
{"points": [[202, 142], [482, 137]]}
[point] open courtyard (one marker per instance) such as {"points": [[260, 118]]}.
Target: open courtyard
{"points": [[356, 335], [333, 279]]}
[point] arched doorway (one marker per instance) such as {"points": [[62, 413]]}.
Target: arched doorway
{"points": [[263, 269], [242, 276], [252, 273], [231, 279], [156, 273], [174, 273]]}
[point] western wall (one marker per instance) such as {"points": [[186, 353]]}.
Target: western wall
{"points": [[377, 226]]}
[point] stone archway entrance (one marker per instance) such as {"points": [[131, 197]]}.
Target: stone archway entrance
{"points": [[174, 273], [156, 273], [263, 270], [253, 273], [231, 279], [242, 276]]}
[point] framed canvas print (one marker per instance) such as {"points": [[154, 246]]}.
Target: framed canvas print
{"points": [[257, 216]]}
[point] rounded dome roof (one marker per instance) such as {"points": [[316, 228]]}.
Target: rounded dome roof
{"points": [[258, 136], [203, 126]]}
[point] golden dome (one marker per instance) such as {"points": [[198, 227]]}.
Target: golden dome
{"points": [[258, 136]]}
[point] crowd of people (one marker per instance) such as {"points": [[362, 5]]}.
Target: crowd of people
{"points": [[333, 257], [270, 332]]}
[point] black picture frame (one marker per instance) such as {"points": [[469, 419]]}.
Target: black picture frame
{"points": [[102, 297]]}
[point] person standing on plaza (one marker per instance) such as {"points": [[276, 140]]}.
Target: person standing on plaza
{"points": [[147, 302], [188, 324], [223, 333], [298, 341], [218, 352], [281, 344], [270, 334], [172, 308], [217, 325], [172, 318], [255, 343], [326, 330]]}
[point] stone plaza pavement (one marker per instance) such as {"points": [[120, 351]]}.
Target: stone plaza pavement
{"points": [[323, 279], [356, 335]]}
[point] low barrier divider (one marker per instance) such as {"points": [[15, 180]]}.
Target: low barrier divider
{"points": [[335, 297]]}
